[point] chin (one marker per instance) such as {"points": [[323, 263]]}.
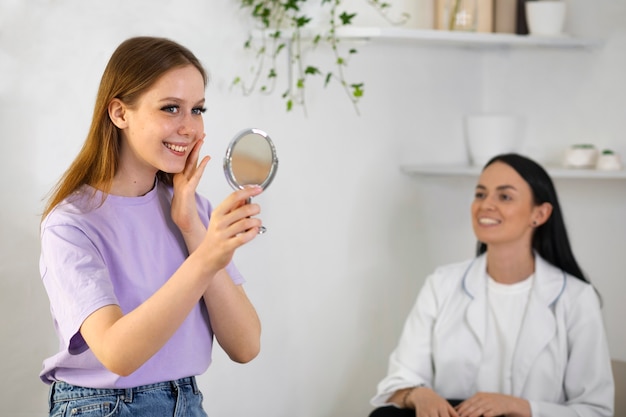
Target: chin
{"points": [[172, 170]]}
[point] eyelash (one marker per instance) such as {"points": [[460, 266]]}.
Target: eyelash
{"points": [[196, 110], [481, 195]]}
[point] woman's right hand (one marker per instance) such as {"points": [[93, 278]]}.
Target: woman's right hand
{"points": [[427, 403], [231, 225]]}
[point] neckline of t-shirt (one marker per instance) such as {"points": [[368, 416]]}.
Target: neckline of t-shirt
{"points": [[125, 200], [518, 287]]}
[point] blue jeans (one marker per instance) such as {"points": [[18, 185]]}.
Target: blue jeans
{"points": [[180, 398]]}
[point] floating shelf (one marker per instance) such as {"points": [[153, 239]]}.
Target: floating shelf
{"points": [[472, 171], [457, 39]]}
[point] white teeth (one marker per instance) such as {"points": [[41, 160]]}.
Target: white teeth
{"points": [[487, 221], [176, 148]]}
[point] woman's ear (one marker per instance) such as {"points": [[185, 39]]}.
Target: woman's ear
{"points": [[117, 113], [541, 214]]}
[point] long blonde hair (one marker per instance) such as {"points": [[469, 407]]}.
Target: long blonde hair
{"points": [[134, 67]]}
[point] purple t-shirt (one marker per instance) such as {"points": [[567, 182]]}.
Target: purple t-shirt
{"points": [[118, 253]]}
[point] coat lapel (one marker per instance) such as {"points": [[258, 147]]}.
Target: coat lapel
{"points": [[539, 324], [475, 285]]}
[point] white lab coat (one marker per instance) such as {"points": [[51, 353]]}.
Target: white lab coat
{"points": [[561, 363]]}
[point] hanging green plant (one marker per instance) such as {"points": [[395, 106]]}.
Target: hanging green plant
{"points": [[280, 28]]}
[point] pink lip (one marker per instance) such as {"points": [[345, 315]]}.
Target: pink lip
{"points": [[172, 148]]}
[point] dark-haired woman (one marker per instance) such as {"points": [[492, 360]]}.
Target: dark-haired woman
{"points": [[140, 281], [516, 331]]}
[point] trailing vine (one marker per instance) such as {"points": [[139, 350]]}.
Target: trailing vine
{"points": [[281, 27]]}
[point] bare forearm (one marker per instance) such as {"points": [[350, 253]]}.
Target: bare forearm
{"points": [[125, 342], [233, 318]]}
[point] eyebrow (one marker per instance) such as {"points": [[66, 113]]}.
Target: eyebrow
{"points": [[179, 100], [498, 188]]}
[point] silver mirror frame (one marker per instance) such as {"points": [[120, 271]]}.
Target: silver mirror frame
{"points": [[228, 158]]}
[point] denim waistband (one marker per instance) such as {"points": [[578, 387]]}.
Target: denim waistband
{"points": [[62, 391]]}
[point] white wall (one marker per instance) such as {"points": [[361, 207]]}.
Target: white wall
{"points": [[350, 238]]}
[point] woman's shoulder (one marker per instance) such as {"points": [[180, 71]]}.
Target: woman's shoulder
{"points": [[455, 269], [74, 208], [572, 291], [570, 284], [452, 274]]}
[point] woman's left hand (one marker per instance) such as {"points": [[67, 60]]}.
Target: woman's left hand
{"points": [[489, 404], [184, 209]]}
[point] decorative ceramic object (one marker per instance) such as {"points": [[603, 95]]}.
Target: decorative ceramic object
{"points": [[488, 135], [461, 15], [609, 161], [545, 18], [581, 156]]}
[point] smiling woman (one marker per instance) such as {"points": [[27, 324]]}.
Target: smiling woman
{"points": [[145, 260], [515, 331]]}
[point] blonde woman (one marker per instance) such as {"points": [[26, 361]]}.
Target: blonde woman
{"points": [[138, 266]]}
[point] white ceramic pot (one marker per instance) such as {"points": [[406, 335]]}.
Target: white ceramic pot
{"points": [[609, 162], [488, 135], [545, 18], [580, 157]]}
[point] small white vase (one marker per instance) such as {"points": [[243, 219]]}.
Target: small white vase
{"points": [[545, 18], [489, 135]]}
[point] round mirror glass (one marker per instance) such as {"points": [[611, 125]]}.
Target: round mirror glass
{"points": [[250, 159]]}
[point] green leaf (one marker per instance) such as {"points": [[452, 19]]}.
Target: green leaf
{"points": [[289, 105], [300, 83], [352, 51], [279, 48], [311, 70], [291, 5], [346, 18], [237, 80], [272, 73], [357, 90], [301, 21], [340, 61], [329, 76]]}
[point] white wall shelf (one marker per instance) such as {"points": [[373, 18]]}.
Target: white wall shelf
{"points": [[461, 39], [472, 171]]}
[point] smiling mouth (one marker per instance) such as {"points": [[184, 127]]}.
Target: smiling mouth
{"points": [[487, 221], [176, 148]]}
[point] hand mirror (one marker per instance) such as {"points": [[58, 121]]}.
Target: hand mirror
{"points": [[250, 159]]}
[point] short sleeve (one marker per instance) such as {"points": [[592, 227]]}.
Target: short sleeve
{"points": [[76, 280]]}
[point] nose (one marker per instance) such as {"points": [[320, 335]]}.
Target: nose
{"points": [[190, 126], [488, 203]]}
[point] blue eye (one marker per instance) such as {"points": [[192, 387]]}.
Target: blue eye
{"points": [[198, 110], [170, 109]]}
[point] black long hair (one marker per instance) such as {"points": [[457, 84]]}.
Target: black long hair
{"points": [[550, 239]]}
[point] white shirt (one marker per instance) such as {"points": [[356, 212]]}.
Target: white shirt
{"points": [[505, 312]]}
